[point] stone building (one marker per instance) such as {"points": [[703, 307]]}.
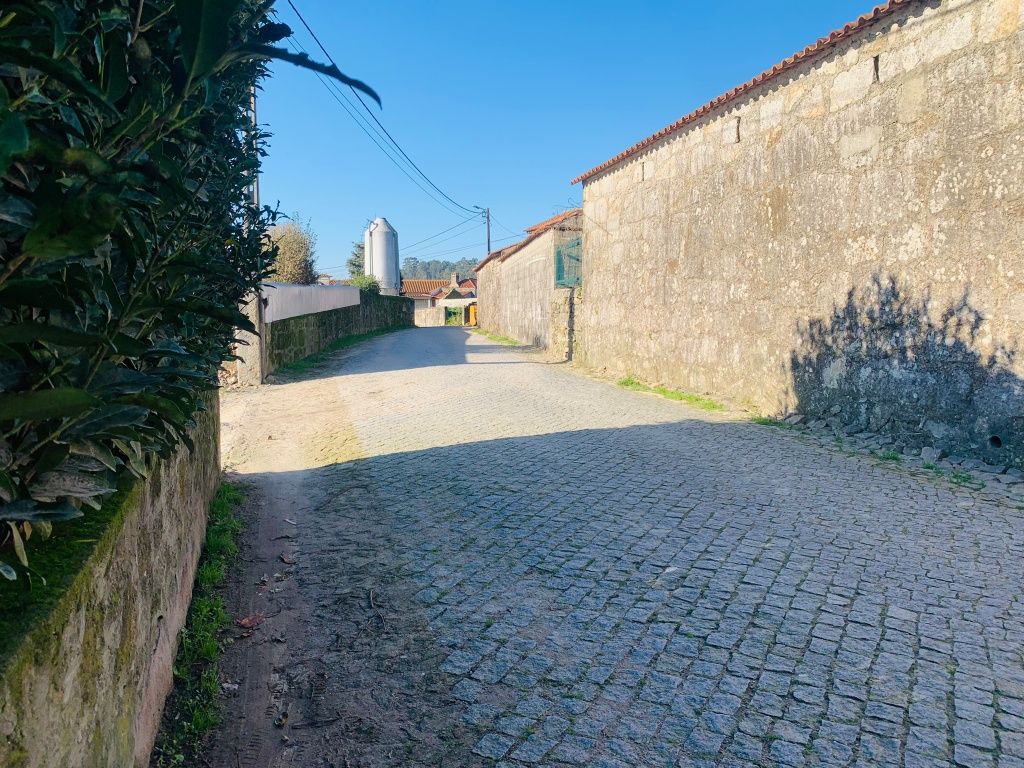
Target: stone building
{"points": [[842, 236], [526, 290]]}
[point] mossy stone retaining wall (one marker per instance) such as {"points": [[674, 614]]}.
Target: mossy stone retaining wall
{"points": [[86, 685], [298, 337]]}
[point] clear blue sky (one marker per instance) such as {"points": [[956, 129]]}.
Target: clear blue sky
{"points": [[501, 104]]}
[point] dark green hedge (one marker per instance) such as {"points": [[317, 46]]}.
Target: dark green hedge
{"points": [[127, 241]]}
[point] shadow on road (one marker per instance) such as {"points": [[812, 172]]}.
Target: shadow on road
{"points": [[451, 586]]}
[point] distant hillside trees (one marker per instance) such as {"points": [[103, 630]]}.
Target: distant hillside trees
{"points": [[437, 270], [296, 252]]}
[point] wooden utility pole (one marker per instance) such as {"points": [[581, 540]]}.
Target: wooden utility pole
{"points": [[487, 215]]}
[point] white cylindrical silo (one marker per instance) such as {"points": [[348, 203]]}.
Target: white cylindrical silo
{"points": [[367, 251], [384, 261]]}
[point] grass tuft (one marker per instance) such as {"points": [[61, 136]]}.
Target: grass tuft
{"points": [[889, 455], [496, 338], [960, 477], [193, 708], [697, 401]]}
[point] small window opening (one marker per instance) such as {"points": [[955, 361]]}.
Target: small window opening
{"points": [[995, 441], [874, 75], [737, 129]]}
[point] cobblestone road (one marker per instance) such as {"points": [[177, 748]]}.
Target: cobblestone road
{"points": [[614, 579]]}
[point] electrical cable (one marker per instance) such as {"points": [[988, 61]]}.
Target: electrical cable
{"points": [[442, 240], [443, 231], [430, 256], [374, 117], [348, 109], [511, 232]]}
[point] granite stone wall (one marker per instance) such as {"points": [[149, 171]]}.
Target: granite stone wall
{"points": [[518, 297], [297, 337], [845, 240], [86, 687], [515, 294]]}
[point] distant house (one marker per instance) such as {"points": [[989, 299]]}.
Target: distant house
{"points": [[423, 292], [441, 301], [429, 293]]}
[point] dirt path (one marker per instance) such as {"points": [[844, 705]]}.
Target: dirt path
{"points": [[342, 670], [466, 556]]}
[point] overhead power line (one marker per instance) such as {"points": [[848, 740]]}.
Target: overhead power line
{"points": [[511, 232], [443, 231], [368, 111], [345, 104], [429, 256], [428, 246]]}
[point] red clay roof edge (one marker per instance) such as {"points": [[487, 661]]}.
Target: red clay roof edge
{"points": [[532, 233], [821, 45]]}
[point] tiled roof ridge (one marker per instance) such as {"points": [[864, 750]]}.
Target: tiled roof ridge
{"points": [[553, 221], [437, 280], [532, 233], [819, 46]]}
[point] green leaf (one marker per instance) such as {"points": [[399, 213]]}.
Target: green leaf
{"points": [[85, 159], [103, 419], [119, 380], [16, 211], [28, 332], [50, 485], [157, 404], [13, 139], [96, 451], [46, 404], [126, 345], [59, 69], [35, 292], [19, 545], [205, 31], [7, 488], [33, 512], [72, 227], [228, 315], [115, 68], [167, 348]]}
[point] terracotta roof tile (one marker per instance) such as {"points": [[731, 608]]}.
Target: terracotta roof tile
{"points": [[553, 221], [421, 287], [532, 234], [820, 46]]}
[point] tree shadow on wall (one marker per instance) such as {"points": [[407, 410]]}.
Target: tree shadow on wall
{"points": [[889, 361]]}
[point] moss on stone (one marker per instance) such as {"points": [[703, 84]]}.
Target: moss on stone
{"points": [[59, 559]]}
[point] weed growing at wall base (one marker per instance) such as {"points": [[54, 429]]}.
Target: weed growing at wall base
{"points": [[192, 709], [496, 338], [697, 401]]}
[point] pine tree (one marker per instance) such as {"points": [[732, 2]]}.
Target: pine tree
{"points": [[356, 262]]}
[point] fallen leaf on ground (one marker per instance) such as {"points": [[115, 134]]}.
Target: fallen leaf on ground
{"points": [[249, 622], [288, 560]]}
